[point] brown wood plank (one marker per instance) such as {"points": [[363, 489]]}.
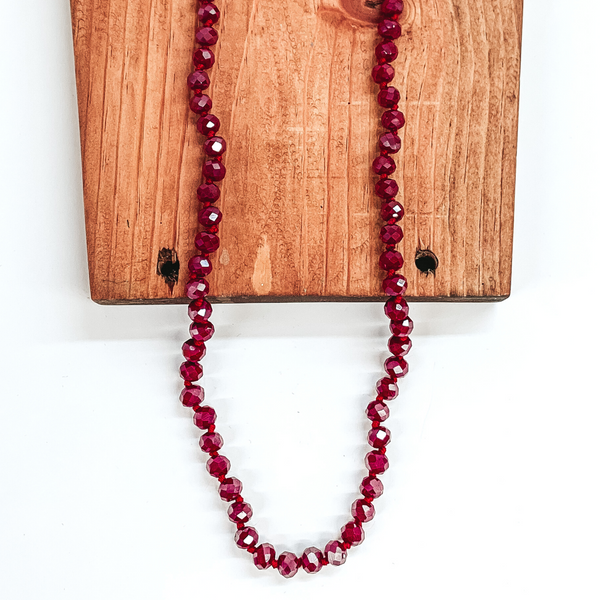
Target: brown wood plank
{"points": [[292, 89]]}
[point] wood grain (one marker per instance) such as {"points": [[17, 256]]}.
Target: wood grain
{"points": [[292, 88]]}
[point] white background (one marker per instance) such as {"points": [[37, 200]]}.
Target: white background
{"points": [[494, 488]]}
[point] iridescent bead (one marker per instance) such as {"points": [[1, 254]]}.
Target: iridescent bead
{"points": [[204, 417], [194, 351], [362, 511], [311, 560], [387, 388], [371, 487], [207, 242], [389, 29], [214, 169], [199, 266], [200, 104], [210, 216], [190, 371], [390, 142], [391, 234], [191, 396], [394, 285], [207, 36], [208, 13], [388, 97], [386, 51], [335, 553], [352, 533], [211, 442], [392, 210], [246, 537], [264, 555], [392, 7], [391, 260], [230, 489], [383, 73], [215, 146], [399, 346], [203, 58], [393, 120], [239, 512], [201, 332], [379, 437], [198, 80], [376, 462], [402, 328], [396, 308], [384, 165], [377, 411], [287, 564], [396, 367], [386, 188], [199, 310], [196, 288], [208, 124], [218, 465]]}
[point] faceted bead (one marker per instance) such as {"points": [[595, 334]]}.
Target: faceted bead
{"points": [[390, 142], [207, 242], [389, 29], [190, 371], [208, 192], [230, 489], [210, 216], [383, 73], [362, 511], [287, 564], [214, 169], [392, 7], [379, 437], [211, 442], [384, 165], [196, 288], [204, 417], [239, 512], [207, 36], [388, 97], [396, 367], [335, 553], [399, 346], [392, 210], [377, 411], [352, 533], [201, 332], [246, 537], [386, 188], [396, 309], [203, 58], [311, 560], [391, 260], [264, 555], [191, 396], [200, 104], [391, 234], [208, 13], [393, 120], [199, 310], [402, 328], [371, 487], [386, 51], [208, 124], [387, 388], [193, 351], [198, 80], [395, 285], [215, 146], [218, 465], [200, 266], [376, 462]]}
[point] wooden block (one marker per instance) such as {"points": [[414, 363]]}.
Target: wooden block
{"points": [[292, 88]]}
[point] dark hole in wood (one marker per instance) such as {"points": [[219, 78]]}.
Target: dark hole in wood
{"points": [[168, 266], [426, 261]]}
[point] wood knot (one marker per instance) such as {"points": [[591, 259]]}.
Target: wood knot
{"points": [[168, 267]]}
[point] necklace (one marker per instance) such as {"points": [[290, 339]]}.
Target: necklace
{"points": [[200, 310]]}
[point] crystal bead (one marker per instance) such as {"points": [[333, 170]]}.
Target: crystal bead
{"points": [[311, 560], [402, 328], [199, 266], [391, 260], [208, 192], [392, 7], [376, 462], [203, 58], [198, 80], [208, 13], [396, 367], [239, 512], [264, 555], [246, 537], [386, 188], [384, 165], [230, 489], [386, 51], [207, 36], [207, 242], [396, 308], [377, 411], [214, 169], [218, 465], [210, 216], [389, 29], [391, 234], [204, 417], [211, 442], [387, 388], [390, 142], [215, 146], [199, 310], [191, 396], [196, 288], [371, 487], [201, 332], [335, 553], [362, 511], [200, 104], [208, 124], [379, 437], [399, 346], [193, 351], [190, 371], [388, 97], [392, 210], [393, 120], [383, 73], [394, 285], [352, 533], [287, 564]]}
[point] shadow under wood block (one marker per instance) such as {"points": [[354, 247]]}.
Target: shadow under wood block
{"points": [[292, 88]]}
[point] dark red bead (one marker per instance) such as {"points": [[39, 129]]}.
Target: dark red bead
{"points": [[371, 487], [215, 146], [389, 29], [391, 234], [264, 555], [394, 285], [377, 462], [391, 260], [388, 97], [383, 73], [190, 371], [194, 351], [239, 512], [387, 388], [390, 142], [207, 242], [210, 216], [208, 13], [230, 489], [201, 332], [218, 465], [198, 80], [362, 511], [386, 51], [392, 210], [392, 120], [208, 192], [384, 165], [312, 560], [208, 124], [377, 411], [335, 553], [396, 367], [207, 36], [287, 564], [399, 346], [214, 169], [199, 310], [203, 58], [246, 537], [200, 266], [196, 288], [392, 7], [191, 396], [200, 104], [386, 188], [402, 328], [211, 442], [379, 437], [396, 309], [204, 417], [352, 533]]}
